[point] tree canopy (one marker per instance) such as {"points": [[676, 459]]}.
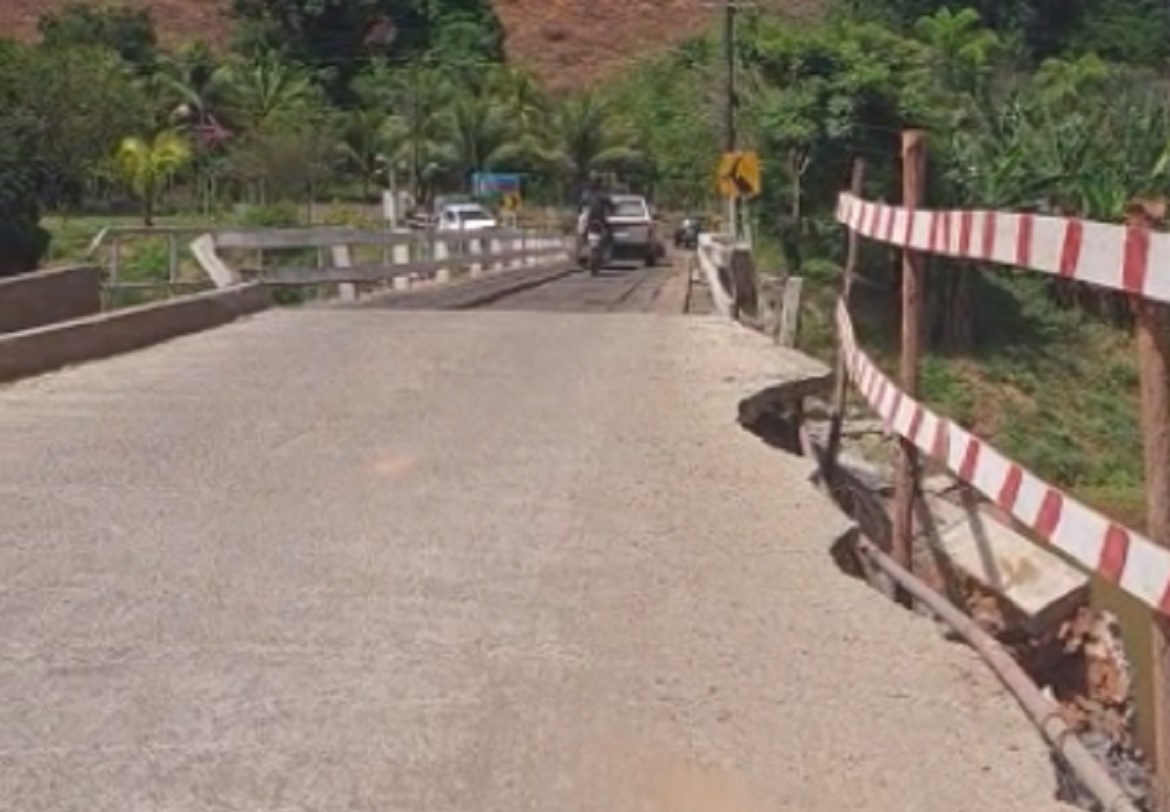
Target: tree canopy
{"points": [[127, 31], [341, 36]]}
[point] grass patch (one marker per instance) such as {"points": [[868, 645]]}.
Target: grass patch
{"points": [[72, 235], [1055, 390]]}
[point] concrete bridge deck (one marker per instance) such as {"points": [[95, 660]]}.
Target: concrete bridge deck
{"points": [[456, 562]]}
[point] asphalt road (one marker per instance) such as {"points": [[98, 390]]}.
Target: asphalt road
{"points": [[457, 562], [619, 288], [560, 287]]}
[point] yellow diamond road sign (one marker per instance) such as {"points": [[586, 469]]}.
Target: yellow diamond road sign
{"points": [[739, 174], [511, 201]]}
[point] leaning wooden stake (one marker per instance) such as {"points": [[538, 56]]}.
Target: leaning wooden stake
{"points": [[906, 483], [840, 382], [1153, 344]]}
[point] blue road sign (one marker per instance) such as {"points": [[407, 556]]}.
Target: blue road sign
{"points": [[492, 183]]}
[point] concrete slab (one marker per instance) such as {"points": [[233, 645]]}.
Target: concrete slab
{"points": [[1043, 587]]}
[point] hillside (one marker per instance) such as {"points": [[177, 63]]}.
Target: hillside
{"points": [[569, 43]]}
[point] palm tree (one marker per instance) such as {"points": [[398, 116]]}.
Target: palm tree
{"points": [[585, 135], [188, 89], [188, 84], [144, 165], [265, 91], [479, 134], [363, 141], [417, 129], [521, 94]]}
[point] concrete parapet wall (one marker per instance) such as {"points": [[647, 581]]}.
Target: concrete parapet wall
{"points": [[44, 349], [49, 296]]}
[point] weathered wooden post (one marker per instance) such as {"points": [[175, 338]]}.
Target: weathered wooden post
{"points": [[115, 259], [114, 279], [906, 483], [1153, 346], [840, 380], [172, 258]]}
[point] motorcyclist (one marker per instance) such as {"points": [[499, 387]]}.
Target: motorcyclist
{"points": [[596, 208]]}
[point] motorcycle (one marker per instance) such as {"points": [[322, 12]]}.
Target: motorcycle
{"points": [[595, 247]]}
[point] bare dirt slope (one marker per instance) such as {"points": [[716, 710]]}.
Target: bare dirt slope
{"points": [[569, 43], [572, 42]]}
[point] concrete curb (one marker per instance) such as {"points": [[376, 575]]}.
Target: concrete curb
{"points": [[713, 255], [674, 295], [44, 349]]}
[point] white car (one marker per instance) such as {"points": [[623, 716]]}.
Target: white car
{"points": [[635, 234], [466, 217]]}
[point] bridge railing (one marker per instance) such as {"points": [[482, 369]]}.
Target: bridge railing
{"points": [[1117, 257], [120, 278], [1131, 259], [324, 256], [398, 258]]}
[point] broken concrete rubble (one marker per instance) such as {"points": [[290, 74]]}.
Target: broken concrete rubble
{"points": [[1034, 603]]}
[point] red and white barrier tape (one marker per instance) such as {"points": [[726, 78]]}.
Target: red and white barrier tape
{"points": [[1117, 554], [1133, 260]]}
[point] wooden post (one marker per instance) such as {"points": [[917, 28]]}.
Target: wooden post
{"points": [[113, 292], [906, 483], [172, 262], [840, 380], [1153, 329], [115, 259], [1153, 346], [790, 314]]}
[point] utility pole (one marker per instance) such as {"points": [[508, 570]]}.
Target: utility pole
{"points": [[729, 57], [731, 97], [731, 106]]}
